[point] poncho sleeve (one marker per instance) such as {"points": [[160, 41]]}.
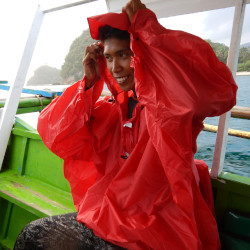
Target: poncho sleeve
{"points": [[74, 127], [179, 70], [64, 125], [178, 79]]}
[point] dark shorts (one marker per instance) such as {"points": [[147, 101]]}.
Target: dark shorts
{"points": [[60, 232]]}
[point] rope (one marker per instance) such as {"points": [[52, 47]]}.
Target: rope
{"points": [[40, 99]]}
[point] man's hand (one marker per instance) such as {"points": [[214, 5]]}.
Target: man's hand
{"points": [[132, 7], [90, 60]]}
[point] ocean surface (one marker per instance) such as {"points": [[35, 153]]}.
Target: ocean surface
{"points": [[238, 149]]}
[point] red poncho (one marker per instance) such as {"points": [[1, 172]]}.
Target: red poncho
{"points": [[152, 199]]}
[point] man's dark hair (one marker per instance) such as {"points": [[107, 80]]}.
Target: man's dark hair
{"points": [[107, 31]]}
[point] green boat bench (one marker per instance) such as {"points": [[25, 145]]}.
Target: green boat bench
{"points": [[32, 184]]}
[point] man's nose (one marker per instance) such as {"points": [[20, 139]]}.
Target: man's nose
{"points": [[116, 67]]}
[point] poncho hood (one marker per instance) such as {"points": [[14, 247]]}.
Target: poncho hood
{"points": [[115, 20]]}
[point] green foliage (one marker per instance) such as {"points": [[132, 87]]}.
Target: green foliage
{"points": [[72, 69], [220, 49], [244, 59], [45, 75], [244, 55], [221, 52], [244, 66]]}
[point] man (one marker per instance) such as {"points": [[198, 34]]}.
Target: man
{"points": [[129, 157]]}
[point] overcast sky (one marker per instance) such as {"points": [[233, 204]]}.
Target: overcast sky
{"points": [[59, 29], [215, 25]]}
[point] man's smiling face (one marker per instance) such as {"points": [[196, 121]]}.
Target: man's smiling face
{"points": [[118, 55]]}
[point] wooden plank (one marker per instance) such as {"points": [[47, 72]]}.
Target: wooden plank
{"points": [[233, 132], [241, 112], [34, 195], [29, 134]]}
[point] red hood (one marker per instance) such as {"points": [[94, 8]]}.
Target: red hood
{"points": [[115, 20]]}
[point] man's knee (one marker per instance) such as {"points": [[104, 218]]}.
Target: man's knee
{"points": [[30, 235]]}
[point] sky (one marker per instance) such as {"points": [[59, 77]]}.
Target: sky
{"points": [[60, 28]]}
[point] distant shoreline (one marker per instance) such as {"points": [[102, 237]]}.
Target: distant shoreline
{"points": [[243, 73]]}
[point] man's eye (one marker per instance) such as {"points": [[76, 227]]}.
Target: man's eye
{"points": [[108, 58], [123, 55]]}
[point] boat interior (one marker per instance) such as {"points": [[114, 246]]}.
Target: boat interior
{"points": [[32, 183]]}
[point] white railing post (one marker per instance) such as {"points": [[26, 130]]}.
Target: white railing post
{"points": [[10, 108], [232, 62]]}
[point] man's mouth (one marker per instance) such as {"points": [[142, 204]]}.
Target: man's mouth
{"points": [[121, 80]]}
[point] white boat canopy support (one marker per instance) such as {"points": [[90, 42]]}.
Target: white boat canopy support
{"points": [[10, 108], [162, 8], [66, 6], [232, 62]]}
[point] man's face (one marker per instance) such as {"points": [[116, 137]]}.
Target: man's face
{"points": [[118, 56]]}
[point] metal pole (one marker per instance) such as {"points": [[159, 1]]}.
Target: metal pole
{"points": [[10, 108], [232, 62]]}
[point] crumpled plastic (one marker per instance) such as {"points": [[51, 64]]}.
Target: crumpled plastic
{"points": [[159, 197]]}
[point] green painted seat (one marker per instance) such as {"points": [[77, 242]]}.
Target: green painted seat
{"points": [[32, 184]]}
